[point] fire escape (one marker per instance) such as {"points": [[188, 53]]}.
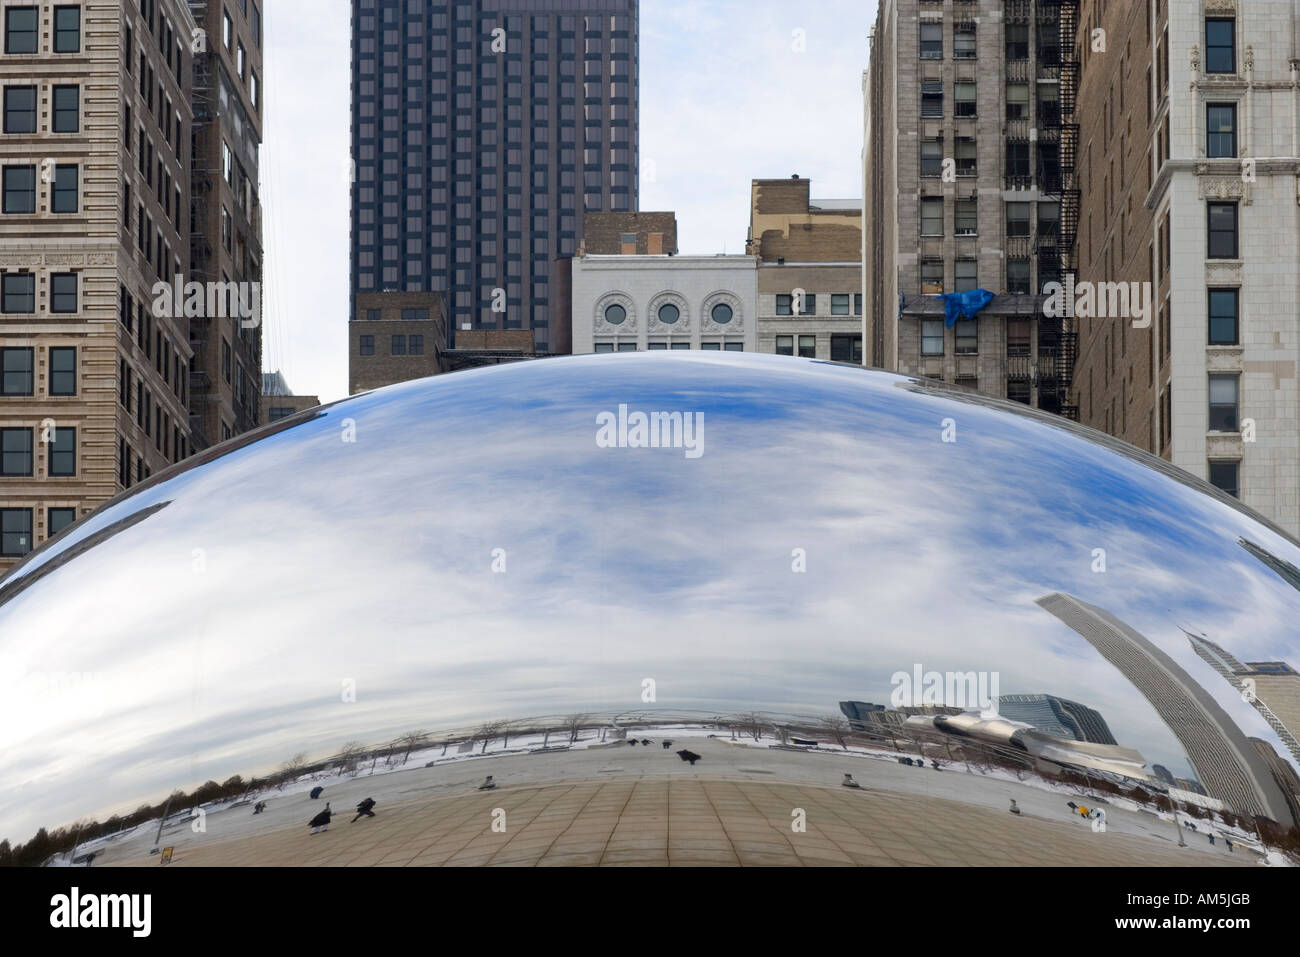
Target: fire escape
{"points": [[201, 248], [1058, 341]]}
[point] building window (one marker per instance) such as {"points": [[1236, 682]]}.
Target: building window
{"points": [[615, 314], [1222, 224], [966, 276], [63, 370], [1223, 403], [808, 305], [932, 216], [808, 347], [631, 347], [367, 345], [1018, 390], [65, 197], [63, 292], [1017, 101], [60, 518], [932, 99], [17, 371], [67, 29], [1226, 476], [967, 337], [241, 66], [1221, 130], [15, 531], [963, 41], [20, 109], [1018, 333], [1017, 41], [846, 348], [603, 347], [932, 277], [1223, 317], [857, 303], [721, 313], [1018, 220], [931, 41], [63, 452], [227, 29], [932, 157], [1018, 280], [704, 347], [20, 30], [733, 347], [18, 292], [397, 346], [1220, 45], [785, 307], [67, 110], [966, 156], [839, 304], [967, 217], [16, 452], [669, 314], [1018, 161], [932, 337], [278, 412], [963, 94], [785, 345], [252, 89], [416, 345]]}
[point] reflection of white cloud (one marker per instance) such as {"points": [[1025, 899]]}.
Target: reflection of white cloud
{"points": [[371, 561]]}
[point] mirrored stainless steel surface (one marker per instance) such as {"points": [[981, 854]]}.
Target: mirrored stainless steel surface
{"points": [[496, 558]]}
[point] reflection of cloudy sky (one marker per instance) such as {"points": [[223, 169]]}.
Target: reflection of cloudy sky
{"points": [[224, 626]]}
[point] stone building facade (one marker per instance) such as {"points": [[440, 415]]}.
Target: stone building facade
{"points": [[968, 162], [95, 159], [1193, 184], [631, 302]]}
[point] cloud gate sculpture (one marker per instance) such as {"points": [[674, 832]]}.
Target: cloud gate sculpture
{"points": [[815, 612]]}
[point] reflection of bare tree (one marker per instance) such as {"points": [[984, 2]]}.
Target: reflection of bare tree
{"points": [[412, 740], [574, 724], [838, 729], [487, 732], [291, 769], [751, 724], [348, 756]]}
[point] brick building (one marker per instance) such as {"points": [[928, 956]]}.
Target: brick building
{"points": [[809, 270]]}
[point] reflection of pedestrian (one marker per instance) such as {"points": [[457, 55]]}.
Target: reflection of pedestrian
{"points": [[315, 792], [321, 822], [690, 756], [1211, 838], [364, 809], [259, 807], [1228, 841]]}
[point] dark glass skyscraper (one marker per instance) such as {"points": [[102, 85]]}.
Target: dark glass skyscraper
{"points": [[481, 131]]}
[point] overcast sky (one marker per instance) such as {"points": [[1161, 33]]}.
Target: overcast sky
{"points": [[730, 92]]}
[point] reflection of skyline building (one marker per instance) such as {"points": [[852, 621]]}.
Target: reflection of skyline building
{"points": [[1191, 784], [1057, 716], [1272, 687], [1229, 767], [1285, 570], [1283, 773], [865, 716], [1162, 774]]}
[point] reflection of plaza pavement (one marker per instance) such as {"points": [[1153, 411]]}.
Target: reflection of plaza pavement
{"points": [[641, 805]]}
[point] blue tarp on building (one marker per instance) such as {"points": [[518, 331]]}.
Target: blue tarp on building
{"points": [[964, 305]]}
